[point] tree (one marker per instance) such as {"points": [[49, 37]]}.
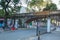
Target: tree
{"points": [[51, 7], [5, 6], [1, 13], [37, 4]]}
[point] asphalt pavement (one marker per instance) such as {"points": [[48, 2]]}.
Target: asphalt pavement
{"points": [[28, 34]]}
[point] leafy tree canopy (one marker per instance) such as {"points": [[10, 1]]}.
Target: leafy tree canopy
{"points": [[2, 12], [8, 8], [36, 5], [51, 7], [16, 1]]}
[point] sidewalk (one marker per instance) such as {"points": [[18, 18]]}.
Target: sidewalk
{"points": [[49, 36], [1, 30]]}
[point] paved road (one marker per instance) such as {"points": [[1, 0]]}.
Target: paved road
{"points": [[20, 34], [16, 35], [54, 35]]}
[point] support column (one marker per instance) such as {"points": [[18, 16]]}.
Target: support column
{"points": [[16, 23], [48, 25], [37, 29], [23, 22]]}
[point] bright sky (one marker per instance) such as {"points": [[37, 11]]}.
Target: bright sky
{"points": [[57, 3]]}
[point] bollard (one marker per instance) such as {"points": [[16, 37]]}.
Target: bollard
{"points": [[39, 35]]}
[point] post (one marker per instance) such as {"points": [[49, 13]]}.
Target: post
{"points": [[37, 29], [48, 25], [39, 35]]}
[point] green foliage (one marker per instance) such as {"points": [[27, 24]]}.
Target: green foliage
{"points": [[7, 6], [36, 3], [16, 8], [2, 3], [2, 13], [5, 12], [51, 7], [16, 1]]}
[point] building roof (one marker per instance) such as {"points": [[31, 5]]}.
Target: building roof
{"points": [[42, 13]]}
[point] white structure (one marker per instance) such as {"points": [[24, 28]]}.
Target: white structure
{"points": [[16, 23], [48, 25]]}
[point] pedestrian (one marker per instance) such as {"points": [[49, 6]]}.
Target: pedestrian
{"points": [[13, 28]]}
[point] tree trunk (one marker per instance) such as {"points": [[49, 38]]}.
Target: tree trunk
{"points": [[6, 15], [5, 22]]}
